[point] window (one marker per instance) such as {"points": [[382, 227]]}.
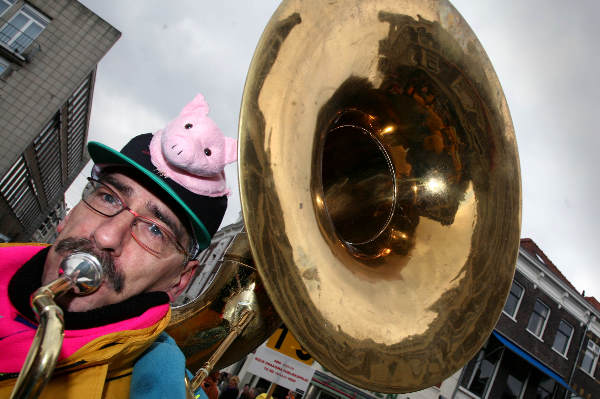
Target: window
{"points": [[545, 388], [537, 320], [514, 299], [22, 29], [326, 395], [590, 357], [513, 388], [480, 379], [562, 339], [516, 378], [540, 258], [5, 5]]}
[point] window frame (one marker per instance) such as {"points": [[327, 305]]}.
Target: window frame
{"points": [[34, 17], [523, 383], [540, 386], [482, 355], [595, 350], [9, 4], [566, 350], [514, 315], [517, 369], [543, 328]]}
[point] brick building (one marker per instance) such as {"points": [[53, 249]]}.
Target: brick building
{"points": [[48, 56], [546, 342]]}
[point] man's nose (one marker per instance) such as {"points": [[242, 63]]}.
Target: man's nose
{"points": [[113, 232]]}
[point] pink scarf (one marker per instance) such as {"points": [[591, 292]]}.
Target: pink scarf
{"points": [[16, 336]]}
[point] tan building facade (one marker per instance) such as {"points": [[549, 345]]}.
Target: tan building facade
{"points": [[48, 57]]}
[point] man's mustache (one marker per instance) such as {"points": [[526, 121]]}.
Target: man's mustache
{"points": [[69, 245]]}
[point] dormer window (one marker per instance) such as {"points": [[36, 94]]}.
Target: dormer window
{"points": [[540, 258]]}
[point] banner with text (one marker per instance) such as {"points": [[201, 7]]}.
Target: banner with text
{"points": [[283, 341], [281, 370]]}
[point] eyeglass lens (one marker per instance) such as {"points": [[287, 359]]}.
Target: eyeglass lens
{"points": [[146, 231]]}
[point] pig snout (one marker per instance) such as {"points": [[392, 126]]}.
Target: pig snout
{"points": [[179, 151]]}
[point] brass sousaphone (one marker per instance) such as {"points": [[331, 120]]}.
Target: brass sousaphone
{"points": [[380, 187]]}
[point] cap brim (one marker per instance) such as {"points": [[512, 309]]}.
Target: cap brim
{"points": [[102, 154]]}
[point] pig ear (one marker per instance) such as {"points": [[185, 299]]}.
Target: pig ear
{"points": [[230, 150], [197, 106]]}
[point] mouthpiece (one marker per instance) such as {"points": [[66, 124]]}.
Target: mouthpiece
{"points": [[84, 270]]}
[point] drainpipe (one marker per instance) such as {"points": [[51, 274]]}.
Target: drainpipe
{"points": [[572, 374]]}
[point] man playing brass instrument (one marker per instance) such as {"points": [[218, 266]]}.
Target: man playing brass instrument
{"points": [[145, 213]]}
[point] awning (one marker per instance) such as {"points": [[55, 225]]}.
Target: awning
{"points": [[532, 361]]}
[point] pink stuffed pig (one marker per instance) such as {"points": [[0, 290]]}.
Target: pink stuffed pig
{"points": [[193, 151]]}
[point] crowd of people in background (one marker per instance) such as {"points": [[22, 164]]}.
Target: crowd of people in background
{"points": [[219, 385]]}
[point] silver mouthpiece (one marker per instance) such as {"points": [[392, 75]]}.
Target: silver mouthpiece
{"points": [[84, 270]]}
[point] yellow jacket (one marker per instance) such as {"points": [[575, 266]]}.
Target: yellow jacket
{"points": [[100, 369]]}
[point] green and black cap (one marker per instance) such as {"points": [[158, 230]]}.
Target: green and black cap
{"points": [[205, 213]]}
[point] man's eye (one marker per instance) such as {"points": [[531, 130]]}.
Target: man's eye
{"points": [[155, 230], [109, 198]]}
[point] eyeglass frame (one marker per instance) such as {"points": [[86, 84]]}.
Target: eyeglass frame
{"points": [[163, 228]]}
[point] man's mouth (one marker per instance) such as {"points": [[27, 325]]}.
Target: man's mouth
{"points": [[69, 245]]}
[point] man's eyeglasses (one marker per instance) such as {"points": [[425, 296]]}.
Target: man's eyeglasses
{"points": [[151, 235]]}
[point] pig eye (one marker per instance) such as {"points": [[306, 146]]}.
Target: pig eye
{"points": [[207, 152], [188, 125]]}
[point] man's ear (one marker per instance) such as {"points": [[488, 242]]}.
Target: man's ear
{"points": [[184, 279]]}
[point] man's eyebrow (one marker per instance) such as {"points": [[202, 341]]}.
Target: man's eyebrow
{"points": [[127, 191], [165, 219], [123, 188]]}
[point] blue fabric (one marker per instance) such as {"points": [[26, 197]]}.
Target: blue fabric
{"points": [[159, 372], [532, 361]]}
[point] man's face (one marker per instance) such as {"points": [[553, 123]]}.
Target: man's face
{"points": [[135, 270]]}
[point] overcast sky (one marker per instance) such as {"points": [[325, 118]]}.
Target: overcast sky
{"points": [[545, 54]]}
